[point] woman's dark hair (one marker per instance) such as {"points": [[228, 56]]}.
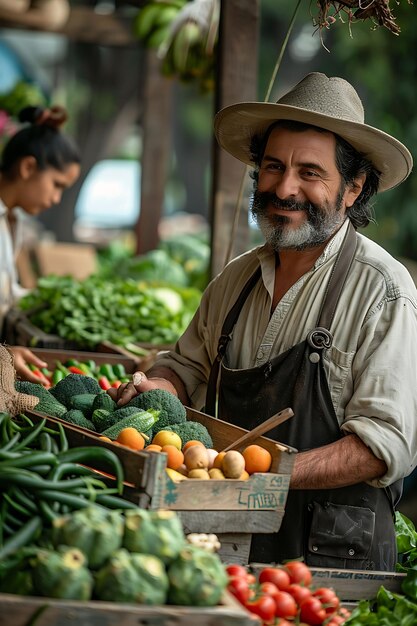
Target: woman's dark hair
{"points": [[349, 162], [42, 140]]}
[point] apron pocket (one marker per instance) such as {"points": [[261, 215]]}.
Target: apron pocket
{"points": [[340, 533]]}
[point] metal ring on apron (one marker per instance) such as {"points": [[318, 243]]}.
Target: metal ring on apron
{"points": [[320, 338]]}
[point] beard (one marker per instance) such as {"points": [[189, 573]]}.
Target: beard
{"points": [[321, 222]]}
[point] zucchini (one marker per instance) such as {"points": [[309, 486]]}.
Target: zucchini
{"points": [[141, 420], [83, 402]]}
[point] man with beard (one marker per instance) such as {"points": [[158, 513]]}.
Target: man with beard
{"points": [[319, 319]]}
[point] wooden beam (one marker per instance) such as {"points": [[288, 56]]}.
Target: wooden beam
{"points": [[156, 124], [83, 24], [237, 78]]}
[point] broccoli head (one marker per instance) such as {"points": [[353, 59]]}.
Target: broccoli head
{"points": [[73, 385], [171, 410], [190, 430]]}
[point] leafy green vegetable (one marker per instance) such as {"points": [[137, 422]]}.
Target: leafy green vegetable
{"points": [[388, 609], [135, 578], [120, 311], [406, 535]]}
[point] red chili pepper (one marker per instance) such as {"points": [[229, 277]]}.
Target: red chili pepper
{"points": [[116, 384], [75, 370], [104, 383]]}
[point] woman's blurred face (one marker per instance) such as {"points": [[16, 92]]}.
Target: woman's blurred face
{"points": [[39, 190]]}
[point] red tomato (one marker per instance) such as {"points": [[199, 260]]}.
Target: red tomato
{"points": [[275, 575], [236, 570], [336, 620], [312, 611], [299, 572], [251, 578], [286, 605], [328, 598], [269, 589], [299, 592], [240, 589], [264, 607]]}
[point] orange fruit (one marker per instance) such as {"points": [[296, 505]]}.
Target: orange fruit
{"points": [[175, 456], [153, 448], [131, 438], [167, 438], [104, 438], [217, 463], [192, 442], [257, 459]]}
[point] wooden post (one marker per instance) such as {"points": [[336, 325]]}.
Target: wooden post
{"points": [[237, 78], [156, 125]]}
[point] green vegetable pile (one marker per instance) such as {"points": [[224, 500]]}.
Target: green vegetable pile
{"points": [[65, 534], [122, 311], [388, 608], [41, 478], [107, 374], [406, 535], [134, 556], [79, 399], [182, 260]]}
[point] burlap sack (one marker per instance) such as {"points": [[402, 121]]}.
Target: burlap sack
{"points": [[10, 400]]}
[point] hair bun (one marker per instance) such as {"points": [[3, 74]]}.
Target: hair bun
{"points": [[54, 117]]}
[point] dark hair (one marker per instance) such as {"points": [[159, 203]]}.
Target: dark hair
{"points": [[349, 162], [42, 140]]}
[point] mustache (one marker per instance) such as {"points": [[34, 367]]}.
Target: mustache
{"points": [[261, 199]]}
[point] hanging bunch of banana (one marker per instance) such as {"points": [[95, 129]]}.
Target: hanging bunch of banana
{"points": [[154, 19], [185, 37]]}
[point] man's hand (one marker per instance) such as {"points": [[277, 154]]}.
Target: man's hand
{"points": [[22, 357], [140, 383], [155, 378]]}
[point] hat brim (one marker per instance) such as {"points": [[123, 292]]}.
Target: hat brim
{"points": [[236, 125]]}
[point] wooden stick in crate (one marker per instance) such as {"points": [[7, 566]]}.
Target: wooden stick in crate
{"points": [[263, 428]]}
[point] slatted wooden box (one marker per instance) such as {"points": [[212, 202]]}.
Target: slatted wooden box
{"points": [[22, 611], [51, 356], [232, 509]]}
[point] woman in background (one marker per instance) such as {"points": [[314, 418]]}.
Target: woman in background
{"points": [[37, 164]]}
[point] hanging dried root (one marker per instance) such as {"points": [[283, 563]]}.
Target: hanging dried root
{"points": [[378, 11]]}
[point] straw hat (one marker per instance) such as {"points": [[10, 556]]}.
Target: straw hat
{"points": [[329, 103]]}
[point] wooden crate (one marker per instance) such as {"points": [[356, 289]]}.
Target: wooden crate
{"points": [[355, 585], [232, 509], [50, 356], [21, 611]]}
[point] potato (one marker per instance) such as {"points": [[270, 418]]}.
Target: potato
{"points": [[216, 474], [233, 464], [199, 474], [196, 457]]}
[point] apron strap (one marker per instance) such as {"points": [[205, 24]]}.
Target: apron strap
{"points": [[224, 339], [337, 278]]}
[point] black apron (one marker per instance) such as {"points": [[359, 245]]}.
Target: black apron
{"points": [[350, 527]]}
